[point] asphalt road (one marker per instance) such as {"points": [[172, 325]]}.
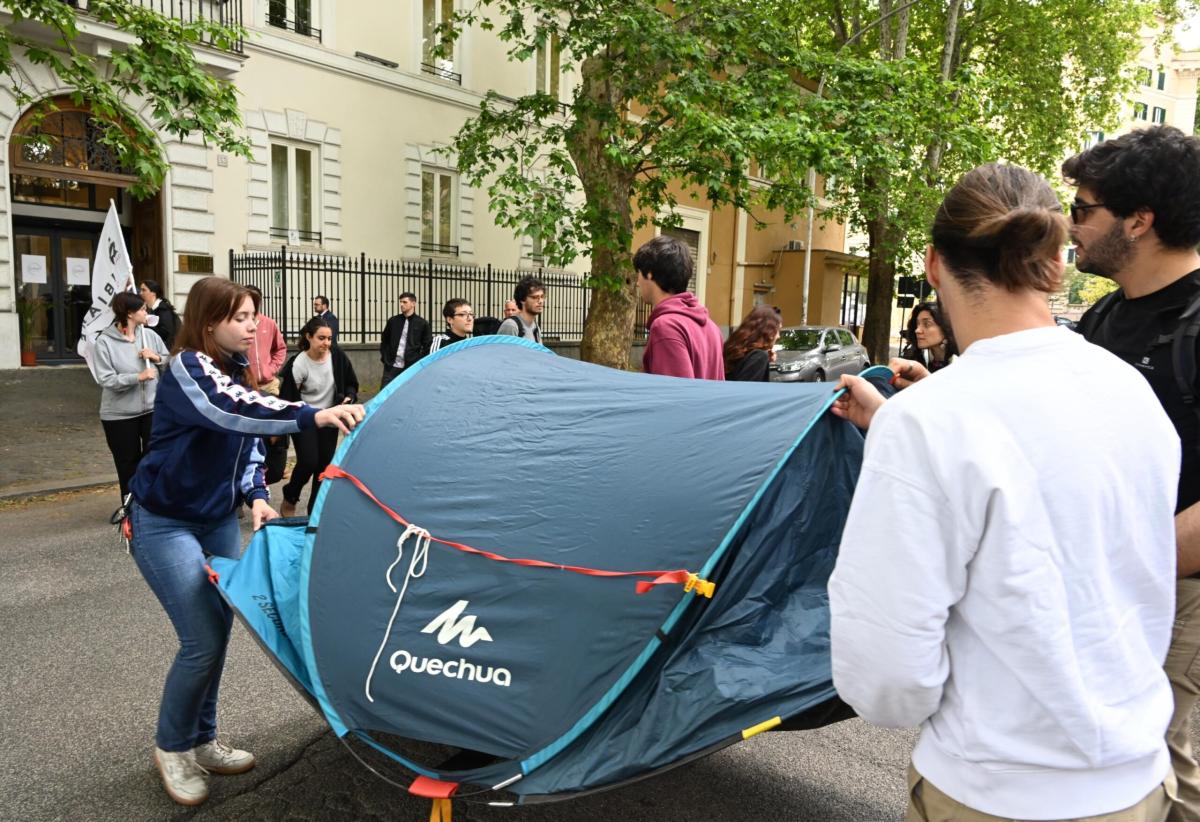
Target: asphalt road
{"points": [[86, 647]]}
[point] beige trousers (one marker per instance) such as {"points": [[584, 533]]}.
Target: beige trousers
{"points": [[1183, 669], [927, 804]]}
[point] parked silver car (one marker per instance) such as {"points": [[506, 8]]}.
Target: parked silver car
{"points": [[816, 353]]}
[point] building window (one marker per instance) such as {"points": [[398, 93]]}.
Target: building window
{"points": [[293, 198], [436, 13], [1145, 76], [1094, 138], [1160, 115], [549, 66], [1162, 80], [293, 15], [437, 212], [1140, 111]]}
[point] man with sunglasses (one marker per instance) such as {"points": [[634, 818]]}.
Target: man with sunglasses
{"points": [[1136, 221]]}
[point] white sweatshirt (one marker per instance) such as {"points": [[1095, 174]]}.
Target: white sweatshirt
{"points": [[1006, 578]]}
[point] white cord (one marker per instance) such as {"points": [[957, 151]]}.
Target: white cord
{"points": [[420, 557]]}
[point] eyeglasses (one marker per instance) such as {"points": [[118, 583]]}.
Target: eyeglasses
{"points": [[1077, 207], [460, 314]]}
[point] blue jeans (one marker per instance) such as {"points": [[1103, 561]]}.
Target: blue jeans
{"points": [[170, 554]]}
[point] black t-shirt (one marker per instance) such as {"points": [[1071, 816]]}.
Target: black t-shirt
{"points": [[1130, 329]]}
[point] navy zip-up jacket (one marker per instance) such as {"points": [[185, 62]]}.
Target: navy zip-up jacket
{"points": [[205, 456]]}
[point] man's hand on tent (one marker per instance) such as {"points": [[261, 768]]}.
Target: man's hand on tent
{"points": [[907, 372], [261, 512], [859, 402]]}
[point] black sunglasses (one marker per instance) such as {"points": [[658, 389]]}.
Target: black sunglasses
{"points": [[1084, 207]]}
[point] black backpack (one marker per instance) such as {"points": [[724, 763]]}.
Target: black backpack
{"points": [[1182, 340], [485, 326]]}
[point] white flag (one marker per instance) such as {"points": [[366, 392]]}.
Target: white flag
{"points": [[111, 273]]}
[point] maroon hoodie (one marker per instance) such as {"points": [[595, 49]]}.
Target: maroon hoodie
{"points": [[683, 341]]}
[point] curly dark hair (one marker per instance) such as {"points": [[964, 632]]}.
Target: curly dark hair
{"points": [[758, 330], [1153, 168], [526, 286], [934, 310]]}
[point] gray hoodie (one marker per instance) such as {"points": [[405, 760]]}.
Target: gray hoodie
{"points": [[117, 366]]}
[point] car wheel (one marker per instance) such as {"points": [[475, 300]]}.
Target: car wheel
{"points": [[818, 376]]}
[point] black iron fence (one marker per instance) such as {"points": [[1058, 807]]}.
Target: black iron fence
{"points": [[364, 292]]}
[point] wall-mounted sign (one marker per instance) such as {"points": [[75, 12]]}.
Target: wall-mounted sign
{"points": [[33, 268], [79, 271]]}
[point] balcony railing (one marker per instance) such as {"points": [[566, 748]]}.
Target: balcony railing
{"points": [[444, 73], [439, 248], [301, 27], [296, 235], [225, 12]]}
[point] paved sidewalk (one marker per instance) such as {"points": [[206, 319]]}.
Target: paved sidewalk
{"points": [[50, 434], [51, 439]]}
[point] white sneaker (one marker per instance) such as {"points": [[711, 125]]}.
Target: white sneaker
{"points": [[220, 758], [184, 779]]}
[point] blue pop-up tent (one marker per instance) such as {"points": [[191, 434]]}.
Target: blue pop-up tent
{"points": [[623, 572]]}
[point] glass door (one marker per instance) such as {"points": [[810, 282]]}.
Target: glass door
{"points": [[54, 291]]}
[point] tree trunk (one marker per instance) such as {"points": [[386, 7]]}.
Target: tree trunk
{"points": [[608, 328], [608, 189], [881, 283]]}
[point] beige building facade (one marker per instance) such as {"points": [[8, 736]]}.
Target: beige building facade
{"points": [[345, 107]]}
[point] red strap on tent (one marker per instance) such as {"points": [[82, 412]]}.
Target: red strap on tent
{"points": [[677, 577], [213, 576], [432, 788], [437, 790]]}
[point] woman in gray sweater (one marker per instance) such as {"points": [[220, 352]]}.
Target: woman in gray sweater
{"points": [[127, 364]]}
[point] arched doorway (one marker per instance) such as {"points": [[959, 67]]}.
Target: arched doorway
{"points": [[62, 179]]}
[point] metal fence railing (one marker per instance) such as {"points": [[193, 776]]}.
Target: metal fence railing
{"points": [[225, 12], [364, 292]]}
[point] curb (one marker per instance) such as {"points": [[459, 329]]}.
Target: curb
{"points": [[42, 489]]}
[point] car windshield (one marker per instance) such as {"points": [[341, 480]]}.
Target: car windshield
{"points": [[800, 339]]}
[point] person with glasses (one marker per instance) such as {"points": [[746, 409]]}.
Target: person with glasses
{"points": [[1136, 221], [460, 322], [406, 338]]}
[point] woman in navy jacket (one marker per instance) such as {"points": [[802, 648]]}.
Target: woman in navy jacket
{"points": [[205, 460]]}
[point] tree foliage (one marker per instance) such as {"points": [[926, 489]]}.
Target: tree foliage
{"points": [[1094, 288], [984, 80], [159, 69], [691, 94]]}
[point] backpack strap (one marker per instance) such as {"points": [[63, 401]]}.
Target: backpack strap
{"points": [[1183, 353], [537, 338]]}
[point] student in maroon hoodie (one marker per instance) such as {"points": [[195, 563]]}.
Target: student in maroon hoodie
{"points": [[683, 341]]}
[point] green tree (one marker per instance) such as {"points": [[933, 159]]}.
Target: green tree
{"points": [[158, 68], [692, 93], [1094, 288], [983, 80]]}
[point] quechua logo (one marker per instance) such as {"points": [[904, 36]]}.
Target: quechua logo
{"points": [[450, 625]]}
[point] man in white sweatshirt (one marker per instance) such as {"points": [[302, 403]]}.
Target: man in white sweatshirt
{"points": [[1006, 575]]}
